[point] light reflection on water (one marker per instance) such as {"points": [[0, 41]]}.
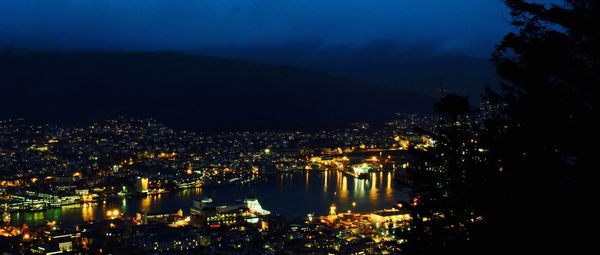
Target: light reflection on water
{"points": [[290, 194], [87, 213]]}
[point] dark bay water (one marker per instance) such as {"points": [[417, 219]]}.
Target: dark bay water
{"points": [[290, 194]]}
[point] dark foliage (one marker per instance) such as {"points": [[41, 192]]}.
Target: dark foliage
{"points": [[529, 188], [450, 189], [452, 106], [551, 73]]}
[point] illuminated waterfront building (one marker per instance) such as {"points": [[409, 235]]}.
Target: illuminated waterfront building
{"points": [[395, 217], [5, 215], [249, 211], [142, 185], [254, 206]]}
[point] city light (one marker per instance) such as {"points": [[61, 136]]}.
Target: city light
{"points": [[228, 162], [114, 213], [457, 126]]}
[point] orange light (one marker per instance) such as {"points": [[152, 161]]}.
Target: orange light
{"points": [[113, 213]]}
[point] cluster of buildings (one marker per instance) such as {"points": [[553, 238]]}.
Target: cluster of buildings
{"points": [[45, 166], [236, 228]]}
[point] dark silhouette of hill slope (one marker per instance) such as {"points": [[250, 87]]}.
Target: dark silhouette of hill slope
{"points": [[188, 91]]}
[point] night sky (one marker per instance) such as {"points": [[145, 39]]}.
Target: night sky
{"points": [[409, 44], [470, 27]]}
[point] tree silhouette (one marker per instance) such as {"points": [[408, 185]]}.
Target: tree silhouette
{"points": [[449, 186], [519, 179], [550, 72], [452, 106]]}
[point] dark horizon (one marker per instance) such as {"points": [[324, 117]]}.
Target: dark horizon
{"points": [[189, 92]]}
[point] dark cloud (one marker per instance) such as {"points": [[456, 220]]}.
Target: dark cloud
{"points": [[470, 26]]}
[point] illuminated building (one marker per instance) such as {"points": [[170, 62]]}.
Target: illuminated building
{"points": [[395, 217], [360, 171], [157, 239], [174, 219], [142, 185], [254, 206], [113, 214], [215, 216], [6, 215], [58, 241]]}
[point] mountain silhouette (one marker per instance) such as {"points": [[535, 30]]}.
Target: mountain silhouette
{"points": [[188, 91]]}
